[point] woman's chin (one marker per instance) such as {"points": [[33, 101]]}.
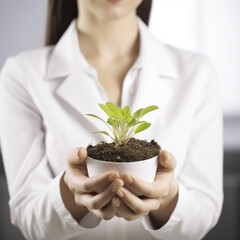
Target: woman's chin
{"points": [[115, 15]]}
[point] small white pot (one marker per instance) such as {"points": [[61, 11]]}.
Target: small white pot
{"points": [[144, 169]]}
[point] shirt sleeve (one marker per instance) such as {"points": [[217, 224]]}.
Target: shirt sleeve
{"points": [[36, 206], [201, 178]]}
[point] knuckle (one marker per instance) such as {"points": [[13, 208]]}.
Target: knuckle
{"points": [[72, 188], [95, 204], [165, 190], [146, 213], [86, 187], [140, 209], [166, 193], [77, 200], [129, 218], [150, 192], [157, 206], [106, 217]]}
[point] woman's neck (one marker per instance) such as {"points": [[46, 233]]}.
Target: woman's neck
{"points": [[108, 39]]}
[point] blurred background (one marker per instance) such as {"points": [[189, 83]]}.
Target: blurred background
{"points": [[209, 27]]}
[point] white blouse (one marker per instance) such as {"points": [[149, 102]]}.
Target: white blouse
{"points": [[44, 96]]}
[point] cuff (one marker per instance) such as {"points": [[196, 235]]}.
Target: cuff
{"points": [[177, 216], [89, 220]]}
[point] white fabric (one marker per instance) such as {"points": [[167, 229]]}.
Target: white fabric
{"points": [[44, 96]]}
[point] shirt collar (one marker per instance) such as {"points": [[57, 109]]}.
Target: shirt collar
{"points": [[155, 55], [66, 56]]}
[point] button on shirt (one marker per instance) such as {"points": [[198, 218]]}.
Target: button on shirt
{"points": [[44, 97]]}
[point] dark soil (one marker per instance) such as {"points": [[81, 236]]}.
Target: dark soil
{"points": [[133, 150]]}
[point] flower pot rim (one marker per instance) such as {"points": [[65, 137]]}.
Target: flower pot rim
{"points": [[133, 162]]}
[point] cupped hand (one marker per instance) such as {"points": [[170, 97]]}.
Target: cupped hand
{"points": [[84, 188], [157, 198]]}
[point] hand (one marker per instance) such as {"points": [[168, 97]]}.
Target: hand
{"points": [[83, 189], [158, 199]]}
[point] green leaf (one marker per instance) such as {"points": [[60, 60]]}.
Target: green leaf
{"points": [[112, 122], [142, 127], [132, 122], [121, 123], [95, 116], [115, 109], [104, 132], [106, 110], [129, 119], [126, 112], [138, 122], [120, 112], [138, 113], [148, 109]]}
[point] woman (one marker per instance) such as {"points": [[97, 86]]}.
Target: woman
{"points": [[107, 53]]}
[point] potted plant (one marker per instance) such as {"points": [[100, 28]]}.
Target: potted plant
{"points": [[124, 154]]}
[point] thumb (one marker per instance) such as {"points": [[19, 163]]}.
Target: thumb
{"points": [[166, 161], [76, 156]]}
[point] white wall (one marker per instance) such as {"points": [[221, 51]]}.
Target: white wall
{"points": [[210, 27]]}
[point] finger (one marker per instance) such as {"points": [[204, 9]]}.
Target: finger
{"points": [[118, 183], [166, 161], [123, 211], [76, 167], [138, 205], [95, 201], [144, 188], [76, 156], [106, 213], [103, 198], [77, 179], [84, 184], [76, 162], [117, 215]]}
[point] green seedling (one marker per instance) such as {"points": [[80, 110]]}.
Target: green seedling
{"points": [[122, 124]]}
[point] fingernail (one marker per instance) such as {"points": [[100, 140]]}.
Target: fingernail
{"points": [[119, 193], [116, 202], [115, 187], [112, 177], [128, 178], [82, 152]]}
